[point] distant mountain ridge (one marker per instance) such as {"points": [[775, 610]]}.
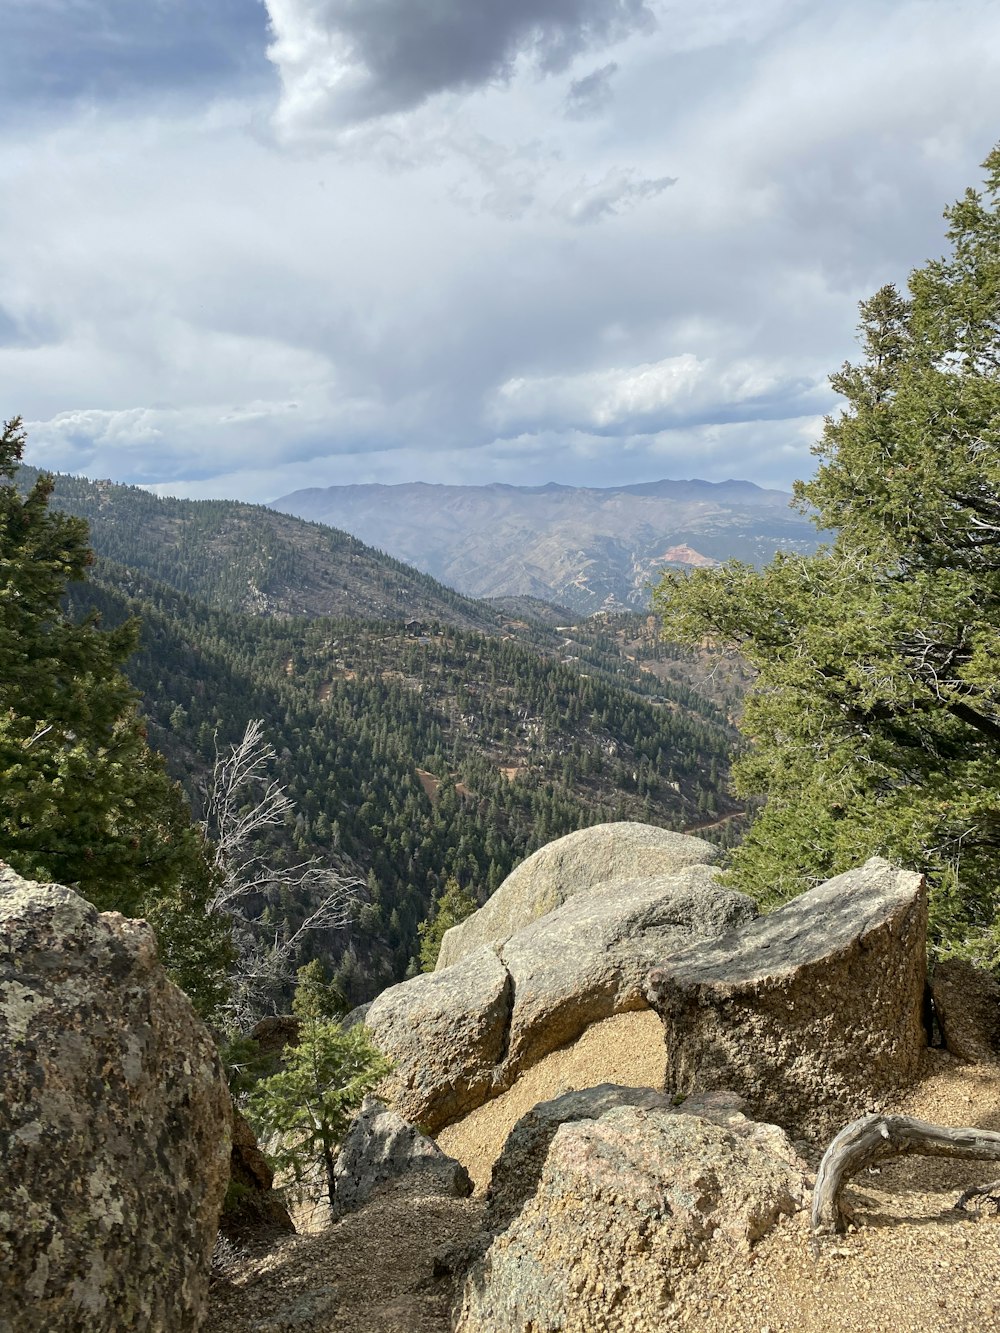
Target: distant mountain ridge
{"points": [[242, 557], [588, 548]]}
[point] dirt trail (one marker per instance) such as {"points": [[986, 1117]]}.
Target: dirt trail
{"points": [[912, 1266]]}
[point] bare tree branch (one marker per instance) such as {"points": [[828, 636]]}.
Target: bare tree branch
{"points": [[242, 804], [872, 1139]]}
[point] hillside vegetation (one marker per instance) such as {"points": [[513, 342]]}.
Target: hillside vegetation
{"points": [[244, 557], [415, 754]]}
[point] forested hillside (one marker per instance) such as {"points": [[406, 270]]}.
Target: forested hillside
{"points": [[248, 558], [414, 754]]}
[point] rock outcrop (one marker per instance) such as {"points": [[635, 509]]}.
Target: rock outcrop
{"points": [[446, 1033], [589, 958], [252, 1204], [967, 1005], [603, 1200], [383, 1151], [573, 864], [813, 1013], [463, 1035], [114, 1125]]}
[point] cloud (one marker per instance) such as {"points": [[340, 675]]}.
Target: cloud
{"points": [[480, 287], [344, 61], [590, 95], [618, 190], [678, 390]]}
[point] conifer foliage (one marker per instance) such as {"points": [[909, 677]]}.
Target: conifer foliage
{"points": [[450, 909], [83, 800], [309, 1103], [875, 717]]}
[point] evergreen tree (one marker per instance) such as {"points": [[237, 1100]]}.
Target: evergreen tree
{"points": [[875, 716], [310, 1103], [452, 906], [83, 800]]}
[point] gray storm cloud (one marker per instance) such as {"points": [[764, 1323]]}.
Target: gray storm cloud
{"points": [[350, 60], [589, 95], [500, 283]]}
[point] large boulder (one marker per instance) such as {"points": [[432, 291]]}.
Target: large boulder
{"points": [[589, 958], [446, 1033], [813, 1013], [574, 864], [603, 1200], [383, 1151], [462, 1036], [967, 1005], [114, 1124]]}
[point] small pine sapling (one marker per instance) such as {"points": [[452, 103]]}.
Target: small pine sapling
{"points": [[306, 1108]]}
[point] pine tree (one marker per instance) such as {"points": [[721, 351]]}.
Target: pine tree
{"points": [[452, 906], [875, 716], [310, 1103], [83, 800]]}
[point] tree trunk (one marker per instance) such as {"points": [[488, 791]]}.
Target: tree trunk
{"points": [[874, 1138], [331, 1177]]}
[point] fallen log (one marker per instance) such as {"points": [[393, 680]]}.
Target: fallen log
{"points": [[874, 1138]]}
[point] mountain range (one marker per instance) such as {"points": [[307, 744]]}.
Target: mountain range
{"points": [[586, 548], [420, 734]]}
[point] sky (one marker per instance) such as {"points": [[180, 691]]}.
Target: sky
{"points": [[250, 247]]}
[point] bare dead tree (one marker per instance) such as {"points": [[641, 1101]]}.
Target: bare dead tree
{"points": [[243, 802], [874, 1138]]}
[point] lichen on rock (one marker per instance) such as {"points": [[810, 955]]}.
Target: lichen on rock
{"points": [[114, 1124]]}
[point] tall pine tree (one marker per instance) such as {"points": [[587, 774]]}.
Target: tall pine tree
{"points": [[875, 719], [83, 800]]}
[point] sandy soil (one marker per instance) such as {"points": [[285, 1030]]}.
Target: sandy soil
{"points": [[912, 1265], [626, 1049], [373, 1272]]}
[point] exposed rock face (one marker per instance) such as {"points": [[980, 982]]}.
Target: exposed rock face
{"points": [[252, 1204], [814, 1013], [574, 864], [602, 1200], [446, 1033], [461, 1036], [273, 1033], [114, 1125], [517, 1170], [967, 1003], [382, 1150], [589, 958]]}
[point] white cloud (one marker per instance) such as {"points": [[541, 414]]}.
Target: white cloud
{"points": [[189, 300], [673, 390]]}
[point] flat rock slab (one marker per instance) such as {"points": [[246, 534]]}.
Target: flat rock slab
{"points": [[589, 958], [813, 1013], [114, 1125], [603, 1200], [570, 865]]}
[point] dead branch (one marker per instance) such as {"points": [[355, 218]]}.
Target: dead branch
{"points": [[242, 803], [874, 1138]]}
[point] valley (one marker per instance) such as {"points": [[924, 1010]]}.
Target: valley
{"points": [[422, 735]]}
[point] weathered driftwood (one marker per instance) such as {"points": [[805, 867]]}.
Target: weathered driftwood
{"points": [[873, 1138]]}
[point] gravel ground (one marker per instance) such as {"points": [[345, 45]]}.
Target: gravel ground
{"points": [[626, 1049], [373, 1272], [910, 1266]]}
